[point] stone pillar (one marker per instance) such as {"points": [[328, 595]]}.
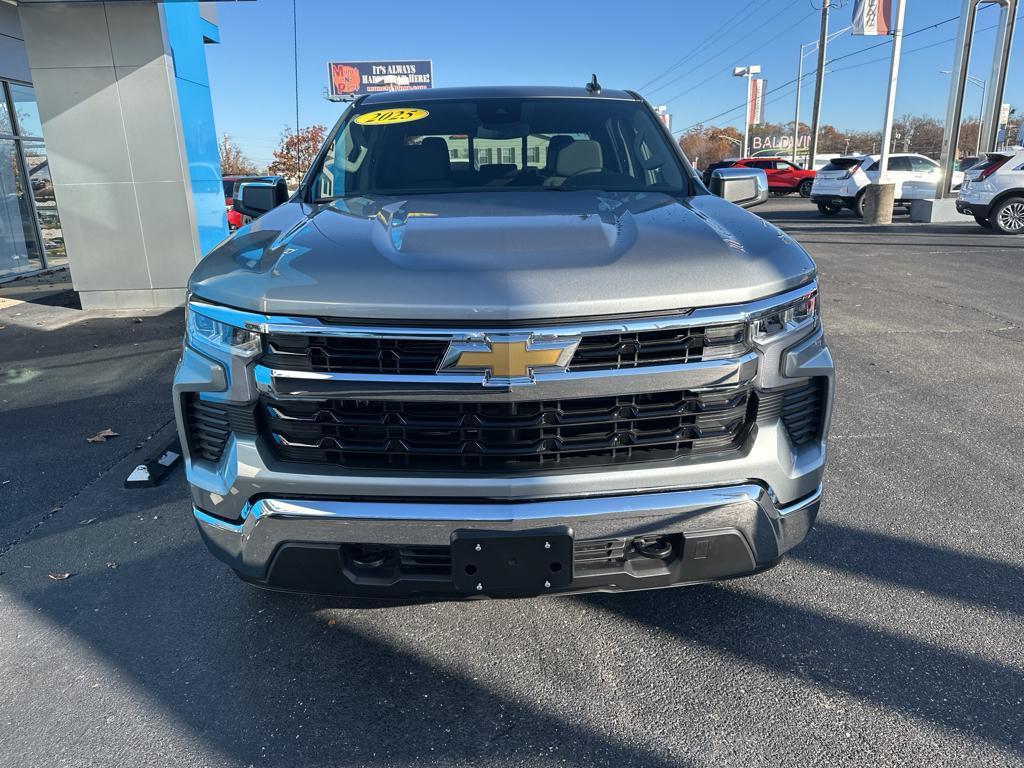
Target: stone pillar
{"points": [[135, 219]]}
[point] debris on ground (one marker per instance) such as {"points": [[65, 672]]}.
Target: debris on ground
{"points": [[101, 436]]}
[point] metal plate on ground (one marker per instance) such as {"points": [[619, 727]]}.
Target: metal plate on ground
{"points": [[507, 564]]}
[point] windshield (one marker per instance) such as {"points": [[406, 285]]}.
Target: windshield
{"points": [[495, 144]]}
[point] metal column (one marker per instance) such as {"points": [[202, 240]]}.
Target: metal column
{"points": [[958, 84]]}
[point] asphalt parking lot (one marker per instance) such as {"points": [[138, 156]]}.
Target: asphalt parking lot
{"points": [[894, 635]]}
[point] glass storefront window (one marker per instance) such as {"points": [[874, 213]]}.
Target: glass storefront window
{"points": [[30, 232], [19, 251], [23, 98], [6, 126], [46, 201]]}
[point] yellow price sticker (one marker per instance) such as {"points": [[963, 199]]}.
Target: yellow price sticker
{"points": [[391, 116]]}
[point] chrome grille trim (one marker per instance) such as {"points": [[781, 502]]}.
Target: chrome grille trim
{"points": [[712, 374], [734, 313]]}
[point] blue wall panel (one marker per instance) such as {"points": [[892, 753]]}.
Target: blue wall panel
{"points": [[186, 32]]}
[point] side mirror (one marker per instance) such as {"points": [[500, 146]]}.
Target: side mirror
{"points": [[254, 198], [746, 187]]}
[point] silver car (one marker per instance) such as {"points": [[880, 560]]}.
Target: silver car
{"points": [[503, 342]]}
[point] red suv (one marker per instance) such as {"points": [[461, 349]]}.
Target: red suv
{"points": [[783, 176]]}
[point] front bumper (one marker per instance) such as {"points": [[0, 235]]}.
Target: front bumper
{"points": [[716, 533]]}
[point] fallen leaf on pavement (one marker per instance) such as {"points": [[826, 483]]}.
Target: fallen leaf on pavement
{"points": [[101, 436], [60, 576]]}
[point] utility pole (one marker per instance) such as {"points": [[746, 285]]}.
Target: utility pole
{"points": [[819, 83]]}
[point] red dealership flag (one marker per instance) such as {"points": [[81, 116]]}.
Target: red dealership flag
{"points": [[871, 17], [755, 101]]}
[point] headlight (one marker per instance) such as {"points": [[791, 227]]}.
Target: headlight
{"points": [[792, 318], [227, 338]]}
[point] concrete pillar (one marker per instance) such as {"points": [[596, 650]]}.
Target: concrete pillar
{"points": [[139, 193]]}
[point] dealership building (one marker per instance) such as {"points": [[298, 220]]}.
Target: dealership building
{"points": [[108, 150]]}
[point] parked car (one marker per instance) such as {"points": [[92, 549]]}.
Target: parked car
{"points": [[235, 219], [966, 163], [415, 378], [783, 176], [841, 183], [728, 162], [993, 192]]}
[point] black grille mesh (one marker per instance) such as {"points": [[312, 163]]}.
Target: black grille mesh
{"points": [[614, 351], [209, 425], [508, 436], [801, 408]]}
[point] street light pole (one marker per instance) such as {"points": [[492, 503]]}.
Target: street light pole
{"points": [[796, 117], [890, 102], [983, 84], [747, 74]]}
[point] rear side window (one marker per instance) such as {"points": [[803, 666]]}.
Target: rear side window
{"points": [[923, 165], [899, 164], [841, 164]]}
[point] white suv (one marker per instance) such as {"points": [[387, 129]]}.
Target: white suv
{"points": [[841, 183], [993, 192]]}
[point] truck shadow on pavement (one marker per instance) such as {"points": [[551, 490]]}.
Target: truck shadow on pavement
{"points": [[250, 671]]}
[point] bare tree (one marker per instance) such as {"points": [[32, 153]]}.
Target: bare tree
{"points": [[233, 161], [295, 153]]}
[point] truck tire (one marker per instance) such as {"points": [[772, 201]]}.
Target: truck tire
{"points": [[1008, 216], [829, 209], [805, 187], [983, 222]]}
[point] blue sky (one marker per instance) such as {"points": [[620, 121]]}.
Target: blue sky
{"points": [[561, 43]]}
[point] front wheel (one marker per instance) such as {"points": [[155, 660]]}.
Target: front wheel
{"points": [[1008, 216], [805, 188], [983, 222], [829, 209]]}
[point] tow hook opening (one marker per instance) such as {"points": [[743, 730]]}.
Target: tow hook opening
{"points": [[369, 555], [656, 548]]}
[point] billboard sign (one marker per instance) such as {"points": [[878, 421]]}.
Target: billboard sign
{"points": [[755, 101], [871, 17], [352, 78]]}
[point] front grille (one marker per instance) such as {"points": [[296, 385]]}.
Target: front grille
{"points": [[342, 354], [801, 409], [639, 349], [509, 436], [209, 425], [395, 356]]}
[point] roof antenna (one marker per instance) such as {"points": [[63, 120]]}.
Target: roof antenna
{"points": [[593, 86]]}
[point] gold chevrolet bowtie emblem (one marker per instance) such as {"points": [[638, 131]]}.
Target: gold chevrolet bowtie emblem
{"points": [[514, 360]]}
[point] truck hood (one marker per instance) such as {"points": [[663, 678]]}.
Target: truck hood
{"points": [[501, 256]]}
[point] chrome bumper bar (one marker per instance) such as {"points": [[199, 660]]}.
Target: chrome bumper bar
{"points": [[250, 546]]}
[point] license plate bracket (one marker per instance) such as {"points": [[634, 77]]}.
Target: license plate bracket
{"points": [[504, 563]]}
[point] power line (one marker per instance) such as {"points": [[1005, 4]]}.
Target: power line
{"points": [[725, 51], [700, 48], [738, 58], [936, 25]]}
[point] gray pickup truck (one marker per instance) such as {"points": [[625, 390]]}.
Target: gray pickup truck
{"points": [[503, 342]]}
